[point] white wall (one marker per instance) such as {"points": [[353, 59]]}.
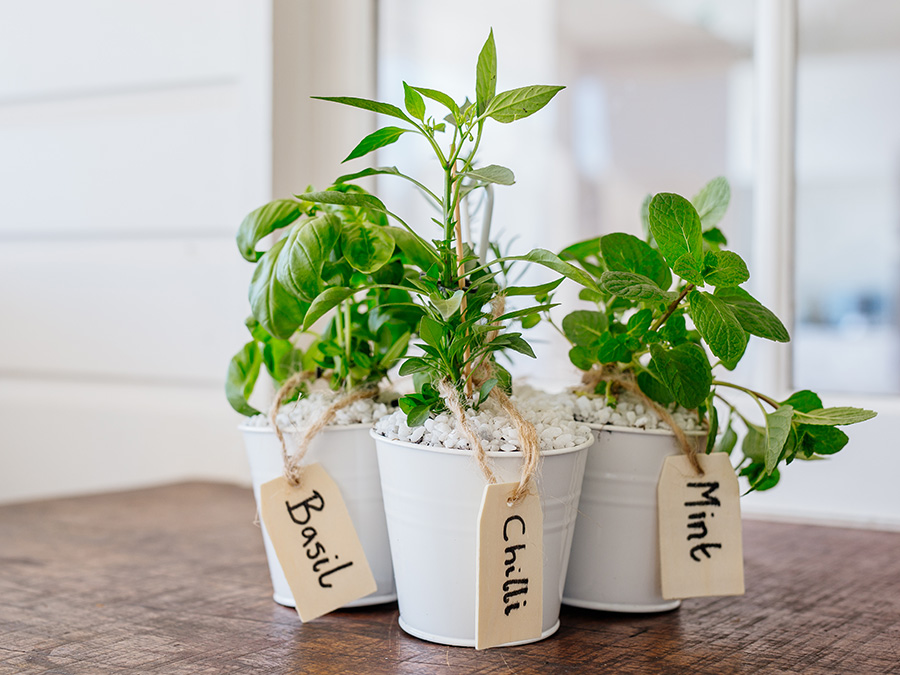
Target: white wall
{"points": [[135, 137]]}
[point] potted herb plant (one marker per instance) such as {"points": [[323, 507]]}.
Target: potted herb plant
{"points": [[459, 429], [331, 391], [670, 317]]}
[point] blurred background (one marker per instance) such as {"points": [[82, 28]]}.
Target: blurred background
{"points": [[135, 136]]}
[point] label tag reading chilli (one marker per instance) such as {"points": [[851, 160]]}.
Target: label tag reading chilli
{"points": [[509, 568], [316, 543], [700, 547]]}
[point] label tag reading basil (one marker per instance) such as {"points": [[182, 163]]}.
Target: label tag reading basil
{"points": [[700, 547], [509, 568], [316, 543]]}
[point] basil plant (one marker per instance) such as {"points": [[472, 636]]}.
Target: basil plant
{"points": [[340, 257], [671, 313]]}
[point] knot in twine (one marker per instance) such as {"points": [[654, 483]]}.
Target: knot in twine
{"points": [[528, 438], [626, 381], [293, 471]]}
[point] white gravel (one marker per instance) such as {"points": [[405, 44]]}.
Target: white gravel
{"points": [[630, 411], [552, 420], [302, 412]]}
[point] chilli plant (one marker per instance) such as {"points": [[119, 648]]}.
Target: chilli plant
{"points": [[671, 314], [451, 293], [348, 247]]}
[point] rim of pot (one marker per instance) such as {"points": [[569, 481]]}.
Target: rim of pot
{"points": [[488, 453], [638, 430], [269, 429]]}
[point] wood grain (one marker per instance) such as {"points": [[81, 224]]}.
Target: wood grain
{"points": [[174, 580]]}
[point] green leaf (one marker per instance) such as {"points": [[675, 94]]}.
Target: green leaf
{"points": [[541, 289], [712, 201], [492, 173], [550, 260], [299, 266], [243, 370], [431, 331], [343, 199], [386, 171], [281, 359], [689, 269], [626, 253], [754, 445], [415, 106], [584, 327], [821, 440], [713, 425], [486, 75], [581, 250], [512, 105], [395, 351], [728, 441], [377, 139], [753, 317], [714, 237], [417, 416], [485, 390], [613, 348], [366, 247], [412, 365], [441, 98], [724, 268], [834, 416], [262, 222], [759, 480], [366, 104], [517, 343], [639, 322], [581, 358], [325, 301], [419, 253], [675, 227], [778, 427], [653, 388], [447, 307], [277, 310], [633, 286], [719, 327], [645, 213], [685, 371], [804, 401]]}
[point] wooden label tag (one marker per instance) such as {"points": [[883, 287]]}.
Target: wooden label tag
{"points": [[316, 543], [700, 546], [509, 568]]}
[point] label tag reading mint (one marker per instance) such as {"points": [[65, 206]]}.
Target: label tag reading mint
{"points": [[700, 546], [316, 543], [509, 568]]}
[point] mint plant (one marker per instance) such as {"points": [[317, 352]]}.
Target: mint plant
{"points": [[332, 256], [664, 305], [451, 293]]}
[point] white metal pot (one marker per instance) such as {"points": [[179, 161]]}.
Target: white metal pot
{"points": [[614, 564], [432, 497], [348, 455]]}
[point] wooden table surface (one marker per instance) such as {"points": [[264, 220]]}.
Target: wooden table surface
{"points": [[174, 580]]}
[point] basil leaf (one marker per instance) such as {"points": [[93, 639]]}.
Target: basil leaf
{"points": [[377, 139], [512, 105], [262, 222], [675, 227], [366, 247], [753, 317], [685, 371], [325, 301], [299, 266], [243, 370], [626, 253], [719, 327], [281, 359], [712, 201], [277, 310], [584, 327], [343, 199], [486, 75]]}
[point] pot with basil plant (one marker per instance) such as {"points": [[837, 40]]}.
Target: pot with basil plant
{"points": [[331, 383], [460, 431], [671, 319]]}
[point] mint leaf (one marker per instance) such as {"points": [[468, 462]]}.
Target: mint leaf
{"points": [[675, 226], [584, 327], [719, 327], [714, 237], [753, 317], [804, 401], [778, 427], [639, 322], [728, 441], [653, 388], [834, 416], [512, 105], [689, 269], [712, 201], [486, 75], [724, 268], [633, 286], [262, 222], [581, 249], [626, 253], [415, 106], [613, 349], [581, 358], [684, 370]]}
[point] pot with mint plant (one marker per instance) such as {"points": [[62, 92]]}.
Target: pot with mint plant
{"points": [[671, 319], [460, 429], [331, 381]]}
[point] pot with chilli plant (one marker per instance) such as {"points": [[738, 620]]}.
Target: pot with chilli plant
{"points": [[320, 331], [460, 429], [670, 320]]}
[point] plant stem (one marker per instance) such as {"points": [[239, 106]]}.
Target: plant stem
{"points": [[461, 273], [671, 308], [755, 394], [347, 349]]}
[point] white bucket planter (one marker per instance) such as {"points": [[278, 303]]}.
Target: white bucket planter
{"points": [[348, 455], [432, 496], [614, 564]]}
